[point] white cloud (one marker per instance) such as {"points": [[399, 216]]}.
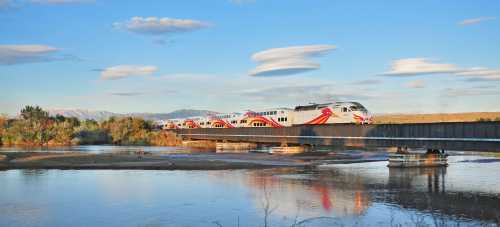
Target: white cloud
{"points": [[304, 94], [126, 94], [123, 71], [415, 84], [477, 20], [159, 26], [10, 4], [422, 66], [366, 82], [17, 54], [419, 66], [60, 2], [5, 4], [241, 1], [480, 74], [288, 60], [458, 92]]}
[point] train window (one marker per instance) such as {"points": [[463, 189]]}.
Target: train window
{"points": [[285, 119], [243, 121], [344, 109], [202, 123], [356, 108], [178, 124], [234, 122]]}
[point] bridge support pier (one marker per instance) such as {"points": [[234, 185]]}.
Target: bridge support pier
{"points": [[234, 147], [402, 150], [404, 159]]}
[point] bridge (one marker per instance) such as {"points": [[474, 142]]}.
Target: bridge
{"points": [[461, 136]]}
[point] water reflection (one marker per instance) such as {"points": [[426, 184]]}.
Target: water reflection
{"points": [[306, 197], [407, 190], [352, 194], [99, 149], [412, 178], [342, 194], [33, 173]]}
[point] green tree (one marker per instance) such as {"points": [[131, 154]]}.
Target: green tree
{"points": [[3, 127], [89, 132], [34, 113], [63, 132], [35, 127], [128, 130]]}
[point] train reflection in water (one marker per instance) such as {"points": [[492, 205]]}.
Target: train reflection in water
{"points": [[307, 195], [343, 193], [425, 189]]}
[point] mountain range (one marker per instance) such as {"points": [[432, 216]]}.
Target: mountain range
{"points": [[103, 115]]}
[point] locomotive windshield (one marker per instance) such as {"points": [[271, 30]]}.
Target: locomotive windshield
{"points": [[357, 107]]}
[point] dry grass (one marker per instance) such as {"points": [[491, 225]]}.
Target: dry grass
{"points": [[431, 118]]}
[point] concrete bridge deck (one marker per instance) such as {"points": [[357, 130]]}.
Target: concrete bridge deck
{"points": [[463, 136]]}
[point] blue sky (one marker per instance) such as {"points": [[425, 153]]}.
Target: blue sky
{"points": [[222, 55]]}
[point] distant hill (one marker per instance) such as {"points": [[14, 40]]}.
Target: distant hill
{"points": [[103, 115], [83, 114]]}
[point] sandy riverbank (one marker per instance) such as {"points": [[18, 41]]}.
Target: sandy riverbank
{"points": [[192, 161], [75, 160]]}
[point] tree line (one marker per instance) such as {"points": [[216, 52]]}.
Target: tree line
{"points": [[35, 127]]}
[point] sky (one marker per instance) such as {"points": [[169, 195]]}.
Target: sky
{"points": [[125, 56]]}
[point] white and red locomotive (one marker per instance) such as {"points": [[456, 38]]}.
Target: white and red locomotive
{"points": [[315, 114]]}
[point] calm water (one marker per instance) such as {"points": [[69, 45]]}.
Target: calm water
{"points": [[362, 194]]}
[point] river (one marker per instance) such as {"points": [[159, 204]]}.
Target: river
{"points": [[467, 193]]}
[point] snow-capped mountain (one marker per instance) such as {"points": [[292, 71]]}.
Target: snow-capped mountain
{"points": [[103, 115]]}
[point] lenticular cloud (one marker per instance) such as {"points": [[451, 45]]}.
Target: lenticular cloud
{"points": [[159, 26], [288, 60]]}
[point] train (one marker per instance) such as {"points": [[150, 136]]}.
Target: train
{"points": [[312, 114]]}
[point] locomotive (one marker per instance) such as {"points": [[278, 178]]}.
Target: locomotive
{"points": [[313, 114]]}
